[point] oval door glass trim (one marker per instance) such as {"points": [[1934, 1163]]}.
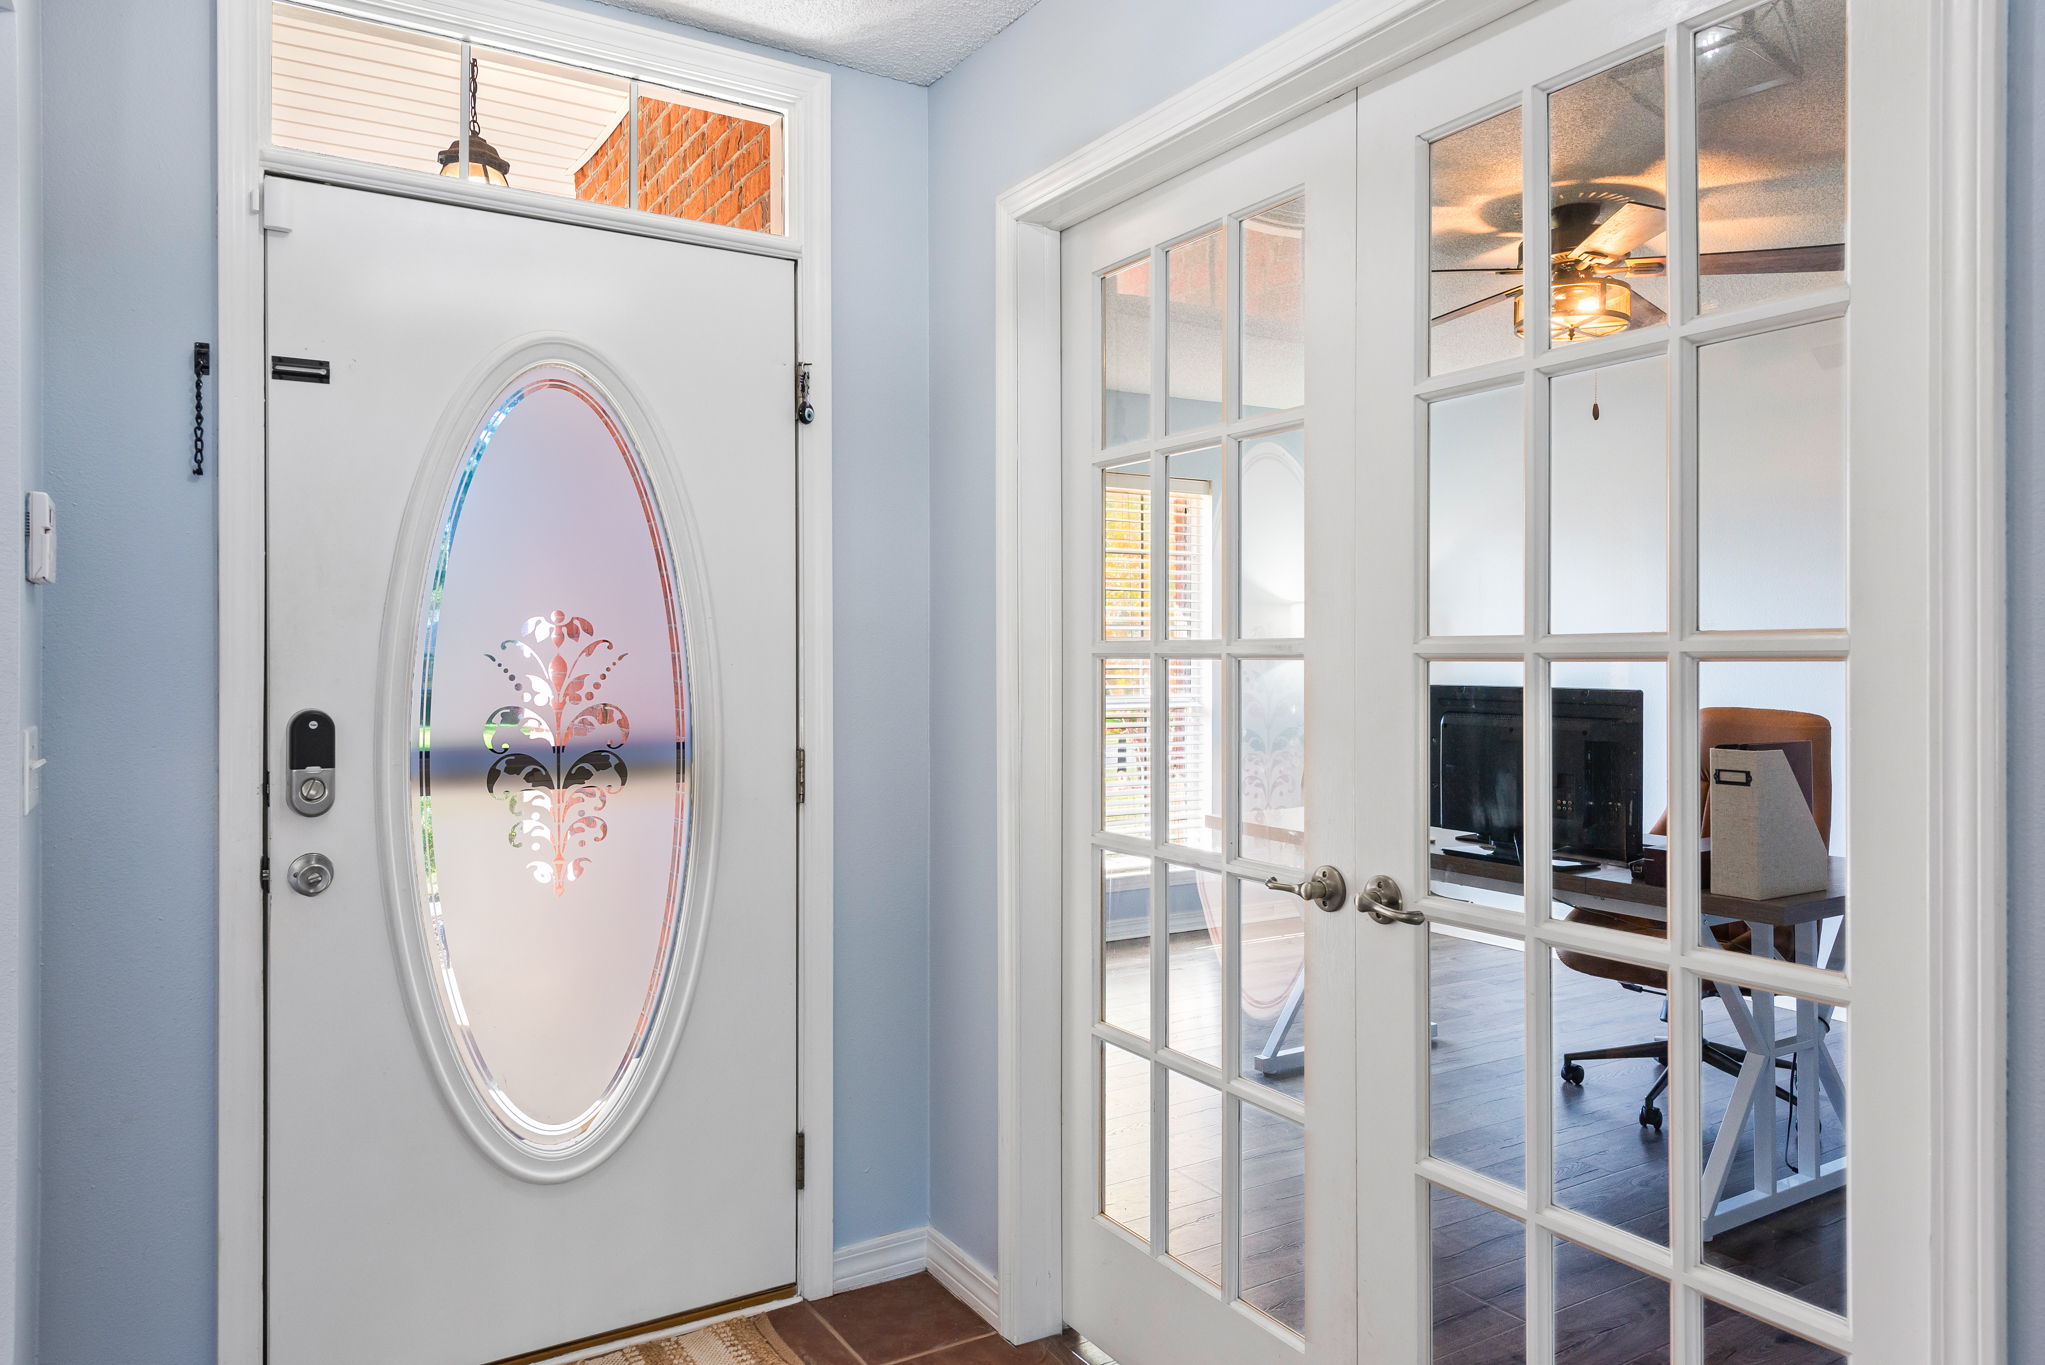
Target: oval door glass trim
{"points": [[551, 812]]}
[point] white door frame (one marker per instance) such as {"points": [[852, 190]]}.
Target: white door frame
{"points": [[1339, 50], [625, 44]]}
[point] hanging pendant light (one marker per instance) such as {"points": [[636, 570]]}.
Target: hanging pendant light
{"points": [[485, 162]]}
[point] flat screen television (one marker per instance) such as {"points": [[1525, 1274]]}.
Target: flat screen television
{"points": [[1475, 750]]}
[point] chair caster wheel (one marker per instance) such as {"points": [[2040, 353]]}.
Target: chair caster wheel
{"points": [[1572, 1073], [1651, 1117]]}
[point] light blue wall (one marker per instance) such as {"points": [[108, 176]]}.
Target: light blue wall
{"points": [[20, 686], [127, 945], [881, 347], [1059, 77], [127, 964], [2026, 338], [127, 970]]}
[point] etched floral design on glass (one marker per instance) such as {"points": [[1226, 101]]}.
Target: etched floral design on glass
{"points": [[556, 801]]}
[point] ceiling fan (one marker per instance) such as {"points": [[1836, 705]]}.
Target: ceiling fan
{"points": [[1590, 241]]}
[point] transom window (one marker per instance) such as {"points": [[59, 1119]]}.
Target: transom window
{"points": [[440, 105]]}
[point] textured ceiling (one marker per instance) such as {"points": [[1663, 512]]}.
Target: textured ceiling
{"points": [[909, 40], [1771, 167]]}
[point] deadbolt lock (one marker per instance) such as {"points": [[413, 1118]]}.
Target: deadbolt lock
{"points": [[310, 873], [311, 755]]}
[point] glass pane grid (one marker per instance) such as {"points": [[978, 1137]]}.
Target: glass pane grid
{"points": [[1693, 577], [1213, 1023], [1697, 970]]}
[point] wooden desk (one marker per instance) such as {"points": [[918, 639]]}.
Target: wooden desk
{"points": [[1613, 889], [1818, 921]]}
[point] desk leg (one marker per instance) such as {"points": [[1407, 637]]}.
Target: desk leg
{"points": [[1833, 944], [1741, 1108], [1767, 1148], [1752, 1106], [1809, 1046], [1275, 1059]]}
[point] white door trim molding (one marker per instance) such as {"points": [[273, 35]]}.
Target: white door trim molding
{"points": [[616, 42], [1337, 51]]}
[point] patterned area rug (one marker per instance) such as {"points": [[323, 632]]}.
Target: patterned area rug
{"points": [[742, 1341]]}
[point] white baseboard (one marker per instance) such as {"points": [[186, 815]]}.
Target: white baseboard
{"points": [[974, 1284], [879, 1259], [913, 1249]]}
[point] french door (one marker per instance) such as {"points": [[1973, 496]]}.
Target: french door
{"points": [[531, 936], [1211, 1018], [1606, 695]]}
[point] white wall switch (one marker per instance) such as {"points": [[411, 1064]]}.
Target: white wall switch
{"points": [[42, 538]]}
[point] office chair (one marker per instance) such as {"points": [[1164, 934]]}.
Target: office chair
{"points": [[1717, 726]]}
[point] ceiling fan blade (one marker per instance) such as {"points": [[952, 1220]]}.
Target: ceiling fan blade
{"points": [[1470, 308], [1780, 260], [1633, 225], [1646, 312]]}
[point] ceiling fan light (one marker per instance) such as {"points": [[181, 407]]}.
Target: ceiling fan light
{"points": [[1579, 309]]}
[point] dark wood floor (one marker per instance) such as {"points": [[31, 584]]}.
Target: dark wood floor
{"points": [[1607, 1166], [1273, 1149]]}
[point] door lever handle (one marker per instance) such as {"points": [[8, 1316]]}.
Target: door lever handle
{"points": [[1382, 900], [1324, 888]]}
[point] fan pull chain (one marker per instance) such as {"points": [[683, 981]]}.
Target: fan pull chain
{"points": [[1594, 395]]}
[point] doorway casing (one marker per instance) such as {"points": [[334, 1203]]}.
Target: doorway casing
{"points": [[1349, 44], [620, 43]]}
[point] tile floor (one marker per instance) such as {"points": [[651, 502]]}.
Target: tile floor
{"points": [[914, 1319]]}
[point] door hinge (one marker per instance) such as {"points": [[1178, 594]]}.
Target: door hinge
{"points": [[805, 411], [801, 1160], [801, 776], [273, 201], [264, 874]]}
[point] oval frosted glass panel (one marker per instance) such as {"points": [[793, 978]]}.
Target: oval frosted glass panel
{"points": [[551, 768]]}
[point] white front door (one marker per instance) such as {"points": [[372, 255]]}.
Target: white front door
{"points": [[531, 973], [1210, 1019]]}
